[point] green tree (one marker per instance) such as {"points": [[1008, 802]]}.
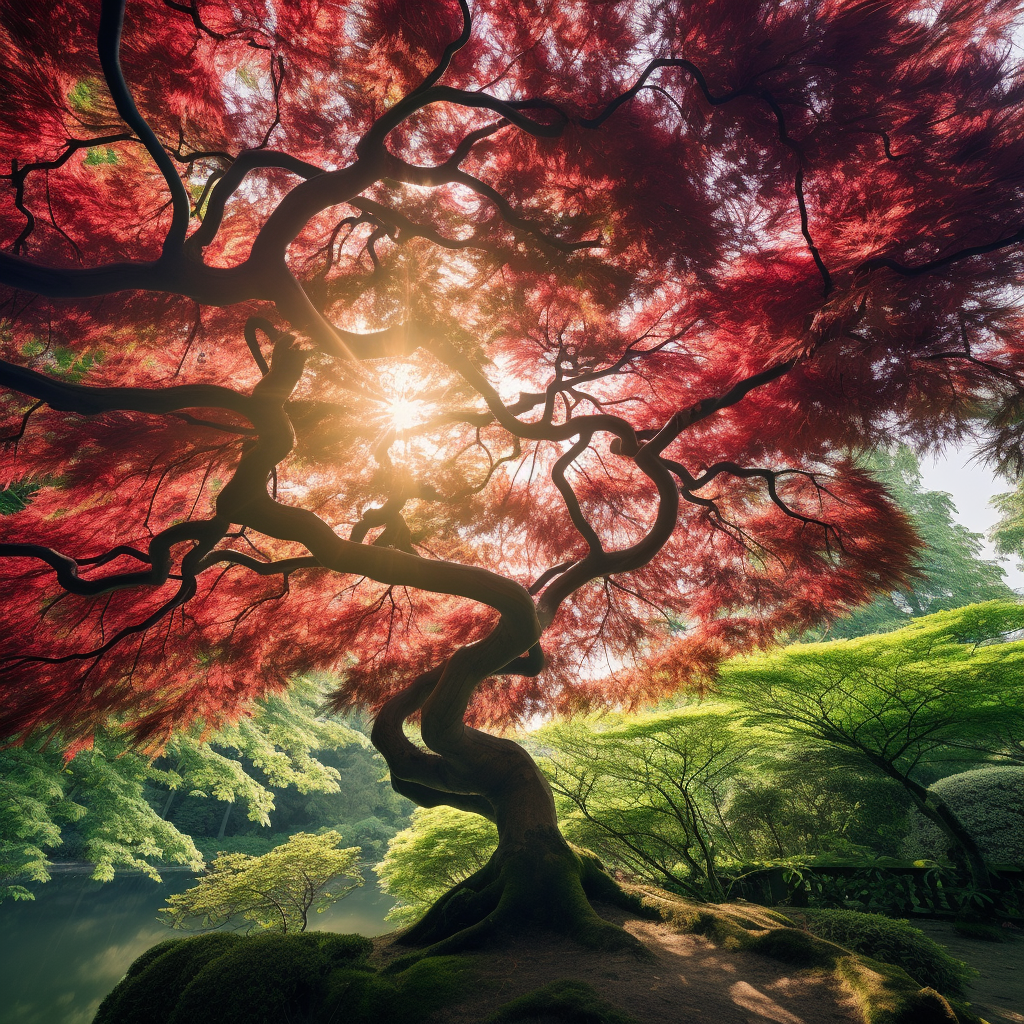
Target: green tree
{"points": [[1008, 533], [649, 792], [900, 704], [953, 573], [275, 892], [441, 847], [278, 738], [795, 805], [33, 805], [109, 804], [99, 797]]}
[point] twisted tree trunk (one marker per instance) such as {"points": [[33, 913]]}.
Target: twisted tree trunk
{"points": [[534, 878]]}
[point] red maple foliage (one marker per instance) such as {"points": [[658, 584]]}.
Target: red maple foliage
{"points": [[501, 358]]}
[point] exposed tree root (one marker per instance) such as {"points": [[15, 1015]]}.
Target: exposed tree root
{"points": [[540, 884]]}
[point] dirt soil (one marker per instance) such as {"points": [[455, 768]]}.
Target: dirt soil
{"points": [[689, 981], [997, 994]]}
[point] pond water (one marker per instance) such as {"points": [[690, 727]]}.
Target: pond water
{"points": [[63, 952]]}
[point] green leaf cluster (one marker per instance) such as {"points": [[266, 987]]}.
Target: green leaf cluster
{"points": [[650, 792], [441, 847], [109, 804], [1008, 533]]}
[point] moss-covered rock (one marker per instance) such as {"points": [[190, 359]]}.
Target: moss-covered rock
{"points": [[265, 979], [893, 942], [571, 1001], [363, 997], [150, 990], [222, 978]]}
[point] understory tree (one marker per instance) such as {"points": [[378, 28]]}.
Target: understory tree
{"points": [[275, 892], [925, 699], [650, 793], [503, 359], [1008, 533]]}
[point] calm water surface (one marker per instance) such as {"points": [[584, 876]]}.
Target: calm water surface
{"points": [[63, 952]]}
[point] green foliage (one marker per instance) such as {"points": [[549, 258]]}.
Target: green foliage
{"points": [[990, 804], [953, 572], [893, 942], [94, 806], [278, 739], [926, 698], [441, 847], [649, 792], [1008, 533], [84, 94], [574, 1002], [33, 805], [108, 804], [266, 979], [273, 892], [254, 846], [365, 808], [97, 155], [16, 497], [795, 806]]}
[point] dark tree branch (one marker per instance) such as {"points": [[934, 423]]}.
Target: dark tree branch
{"points": [[109, 46]]}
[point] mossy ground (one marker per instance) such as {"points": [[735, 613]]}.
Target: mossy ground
{"points": [[320, 977], [885, 993]]}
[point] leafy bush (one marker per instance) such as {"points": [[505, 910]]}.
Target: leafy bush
{"points": [[441, 848], [371, 835], [893, 942], [276, 891], [990, 804], [254, 846]]}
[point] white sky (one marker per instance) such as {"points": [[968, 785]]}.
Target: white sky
{"points": [[971, 486]]}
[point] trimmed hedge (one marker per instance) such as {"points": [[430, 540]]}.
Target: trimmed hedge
{"points": [[990, 804]]}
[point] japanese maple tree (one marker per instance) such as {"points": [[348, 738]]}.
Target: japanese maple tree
{"points": [[502, 358]]}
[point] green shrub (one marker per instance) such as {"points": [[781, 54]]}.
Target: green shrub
{"points": [[990, 804], [892, 942], [150, 990], [254, 846]]}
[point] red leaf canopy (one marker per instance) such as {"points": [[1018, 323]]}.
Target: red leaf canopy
{"points": [[355, 335]]}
